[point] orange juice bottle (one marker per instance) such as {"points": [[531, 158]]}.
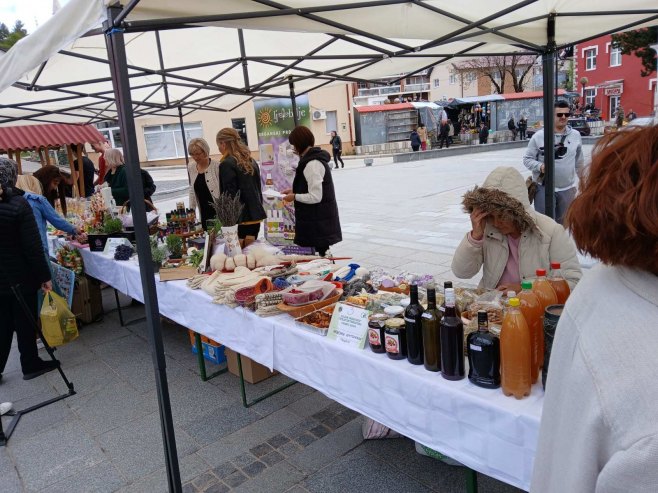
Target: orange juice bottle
{"points": [[546, 294], [515, 359], [559, 283], [532, 311]]}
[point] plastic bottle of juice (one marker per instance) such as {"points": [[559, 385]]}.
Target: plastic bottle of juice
{"points": [[532, 311], [559, 283], [515, 359], [546, 294]]}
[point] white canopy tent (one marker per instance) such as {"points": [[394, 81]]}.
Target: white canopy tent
{"points": [[96, 60]]}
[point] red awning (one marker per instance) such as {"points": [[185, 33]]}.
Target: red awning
{"points": [[35, 136], [384, 107]]}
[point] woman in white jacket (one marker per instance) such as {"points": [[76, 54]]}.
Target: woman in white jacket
{"points": [[598, 429], [204, 180], [509, 240]]}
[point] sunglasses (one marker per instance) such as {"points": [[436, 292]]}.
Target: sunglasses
{"points": [[560, 115]]}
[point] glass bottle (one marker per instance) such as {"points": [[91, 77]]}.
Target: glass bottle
{"points": [[559, 283], [515, 352], [483, 355], [430, 325], [532, 312], [451, 332], [412, 318], [269, 183], [442, 308]]}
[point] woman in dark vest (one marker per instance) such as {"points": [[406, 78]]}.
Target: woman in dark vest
{"points": [[316, 212]]}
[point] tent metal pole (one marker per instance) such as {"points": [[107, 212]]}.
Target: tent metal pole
{"points": [[116, 50], [548, 62], [124, 13], [291, 85], [243, 60], [182, 131], [161, 60]]}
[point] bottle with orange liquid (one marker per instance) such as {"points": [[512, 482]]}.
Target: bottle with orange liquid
{"points": [[532, 311], [559, 283], [515, 359]]}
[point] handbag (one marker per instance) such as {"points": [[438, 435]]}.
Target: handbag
{"points": [[533, 187], [58, 323]]}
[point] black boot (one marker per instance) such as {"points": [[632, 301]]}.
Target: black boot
{"points": [[40, 368]]}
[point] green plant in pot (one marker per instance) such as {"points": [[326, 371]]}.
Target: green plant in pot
{"points": [[158, 255], [112, 225], [175, 246]]}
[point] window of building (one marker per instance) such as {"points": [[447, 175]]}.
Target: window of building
{"points": [[590, 96], [590, 59], [113, 136], [452, 78], [331, 123], [615, 56], [436, 83], [166, 141]]}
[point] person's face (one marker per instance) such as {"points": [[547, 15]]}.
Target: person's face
{"points": [[54, 184], [333, 134], [198, 155], [222, 147], [561, 118], [505, 227]]}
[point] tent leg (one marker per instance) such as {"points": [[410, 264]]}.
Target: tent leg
{"points": [[291, 85], [548, 65], [116, 50]]}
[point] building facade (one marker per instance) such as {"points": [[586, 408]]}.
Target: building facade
{"points": [[608, 79]]}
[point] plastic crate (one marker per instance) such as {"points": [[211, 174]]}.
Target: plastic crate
{"points": [[212, 351]]}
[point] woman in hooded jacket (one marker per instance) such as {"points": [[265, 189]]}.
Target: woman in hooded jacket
{"points": [[508, 239]]}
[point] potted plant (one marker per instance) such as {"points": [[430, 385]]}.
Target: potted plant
{"points": [[175, 246], [158, 255], [112, 226], [229, 210]]}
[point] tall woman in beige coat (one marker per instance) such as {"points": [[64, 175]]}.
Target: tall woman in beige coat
{"points": [[509, 240], [204, 180]]}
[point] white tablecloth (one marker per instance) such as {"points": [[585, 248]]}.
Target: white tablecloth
{"points": [[483, 429]]}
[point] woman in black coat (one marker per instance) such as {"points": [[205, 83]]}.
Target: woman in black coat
{"points": [[239, 173], [336, 149], [23, 270], [316, 211]]}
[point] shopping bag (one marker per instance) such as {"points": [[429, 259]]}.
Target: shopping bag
{"points": [[58, 324]]}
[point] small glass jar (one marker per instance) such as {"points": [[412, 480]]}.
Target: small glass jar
{"points": [[395, 338], [376, 332], [394, 311]]}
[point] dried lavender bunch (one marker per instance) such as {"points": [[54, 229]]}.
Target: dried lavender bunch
{"points": [[228, 208]]}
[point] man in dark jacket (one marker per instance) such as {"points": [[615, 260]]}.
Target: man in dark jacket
{"points": [[522, 126], [484, 133], [444, 134], [415, 140], [23, 272], [88, 171], [512, 127]]}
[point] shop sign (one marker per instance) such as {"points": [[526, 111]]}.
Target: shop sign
{"points": [[349, 325], [613, 91]]}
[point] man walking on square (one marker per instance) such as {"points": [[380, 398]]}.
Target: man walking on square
{"points": [[569, 162]]}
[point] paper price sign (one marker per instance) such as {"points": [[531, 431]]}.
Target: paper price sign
{"points": [[112, 244], [349, 325]]}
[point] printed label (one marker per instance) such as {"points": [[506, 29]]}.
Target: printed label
{"points": [[426, 315], [373, 337], [392, 344], [475, 348], [409, 320]]}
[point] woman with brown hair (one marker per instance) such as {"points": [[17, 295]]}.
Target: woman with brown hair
{"points": [[239, 173], [53, 185], [599, 430]]}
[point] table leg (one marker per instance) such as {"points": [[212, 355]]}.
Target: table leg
{"points": [[243, 391], [202, 362], [471, 481], [116, 298]]}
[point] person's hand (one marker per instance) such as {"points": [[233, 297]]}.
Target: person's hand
{"points": [[47, 286], [541, 168], [289, 197], [478, 221], [286, 191]]}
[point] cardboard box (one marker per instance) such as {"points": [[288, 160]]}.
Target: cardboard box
{"points": [[87, 302], [253, 372], [177, 273], [212, 351]]}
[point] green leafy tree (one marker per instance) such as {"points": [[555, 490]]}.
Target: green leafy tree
{"points": [[638, 43], [10, 38]]}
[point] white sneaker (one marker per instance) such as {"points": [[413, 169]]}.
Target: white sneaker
{"points": [[5, 407]]}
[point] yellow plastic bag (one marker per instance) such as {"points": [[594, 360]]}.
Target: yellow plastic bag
{"points": [[58, 323]]}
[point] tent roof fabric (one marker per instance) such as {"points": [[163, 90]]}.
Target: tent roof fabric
{"points": [[384, 107], [508, 96], [35, 136], [265, 45]]}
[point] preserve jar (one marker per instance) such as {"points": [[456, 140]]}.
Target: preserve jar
{"points": [[396, 338], [376, 334]]}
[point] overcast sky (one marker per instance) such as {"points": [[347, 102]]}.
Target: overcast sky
{"points": [[31, 12]]}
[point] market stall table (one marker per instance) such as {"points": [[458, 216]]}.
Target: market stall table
{"points": [[482, 429]]}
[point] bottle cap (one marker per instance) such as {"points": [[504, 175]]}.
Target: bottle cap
{"points": [[511, 294], [526, 285], [393, 311], [555, 265], [483, 318], [541, 272], [447, 284], [514, 302]]}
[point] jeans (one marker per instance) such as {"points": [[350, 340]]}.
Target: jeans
{"points": [[337, 157], [14, 319], [562, 200]]}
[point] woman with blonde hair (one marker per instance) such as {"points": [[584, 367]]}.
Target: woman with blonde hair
{"points": [[204, 179], [239, 173], [115, 175]]}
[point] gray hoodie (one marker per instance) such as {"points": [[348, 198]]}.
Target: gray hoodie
{"points": [[567, 168]]}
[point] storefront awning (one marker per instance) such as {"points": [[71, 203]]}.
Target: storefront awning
{"points": [[27, 137], [384, 107]]}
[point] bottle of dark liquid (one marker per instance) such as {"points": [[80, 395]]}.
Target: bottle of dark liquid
{"points": [[483, 355], [412, 319], [430, 325], [451, 330], [442, 308]]}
